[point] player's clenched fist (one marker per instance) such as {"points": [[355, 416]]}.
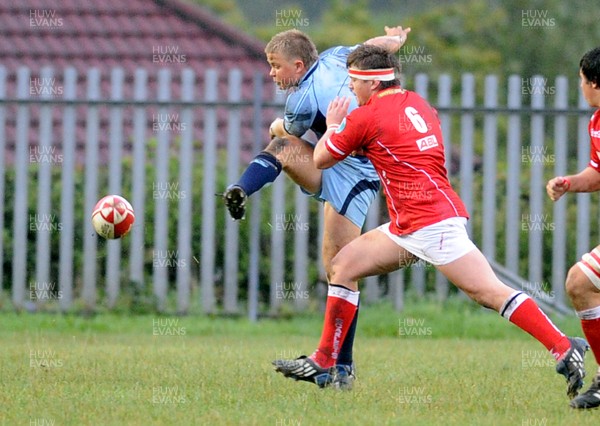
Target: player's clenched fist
{"points": [[557, 186], [276, 128]]}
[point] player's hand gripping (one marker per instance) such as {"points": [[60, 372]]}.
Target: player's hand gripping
{"points": [[557, 187], [337, 110]]}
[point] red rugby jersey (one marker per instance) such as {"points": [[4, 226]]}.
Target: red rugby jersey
{"points": [[400, 133], [594, 129]]}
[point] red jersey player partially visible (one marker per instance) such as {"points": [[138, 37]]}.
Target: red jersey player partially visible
{"points": [[583, 280], [401, 134]]}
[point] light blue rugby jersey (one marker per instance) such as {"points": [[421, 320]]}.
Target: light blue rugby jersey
{"points": [[351, 184], [306, 105]]}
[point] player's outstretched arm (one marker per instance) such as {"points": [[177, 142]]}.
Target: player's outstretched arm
{"points": [[393, 40], [588, 180]]}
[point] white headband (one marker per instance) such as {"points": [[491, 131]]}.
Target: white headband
{"points": [[383, 74]]}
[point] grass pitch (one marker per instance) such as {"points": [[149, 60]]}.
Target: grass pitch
{"points": [[426, 366]]}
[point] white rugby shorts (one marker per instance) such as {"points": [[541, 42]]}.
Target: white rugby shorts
{"points": [[438, 244]]}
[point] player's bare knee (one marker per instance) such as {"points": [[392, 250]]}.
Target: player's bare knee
{"points": [[584, 277], [340, 271], [336, 273], [575, 283]]}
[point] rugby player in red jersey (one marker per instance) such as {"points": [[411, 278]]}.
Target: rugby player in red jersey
{"points": [[401, 135], [583, 280], [347, 190]]}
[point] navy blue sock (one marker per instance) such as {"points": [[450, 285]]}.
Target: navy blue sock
{"points": [[262, 170], [345, 355]]}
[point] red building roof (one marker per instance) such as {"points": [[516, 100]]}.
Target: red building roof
{"points": [[131, 34]]}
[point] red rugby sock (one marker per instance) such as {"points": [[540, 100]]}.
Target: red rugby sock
{"points": [[590, 323], [341, 307], [522, 311]]}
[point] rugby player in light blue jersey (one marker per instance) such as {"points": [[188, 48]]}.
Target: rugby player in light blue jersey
{"points": [[312, 81]]}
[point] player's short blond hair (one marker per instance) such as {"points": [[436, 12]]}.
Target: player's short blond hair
{"points": [[294, 44]]}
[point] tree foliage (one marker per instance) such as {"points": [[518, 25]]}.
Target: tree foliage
{"points": [[524, 37], [346, 22]]}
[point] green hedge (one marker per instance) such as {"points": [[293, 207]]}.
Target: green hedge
{"points": [[138, 296]]}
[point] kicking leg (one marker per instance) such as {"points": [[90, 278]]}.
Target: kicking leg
{"points": [[290, 154], [473, 274]]}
